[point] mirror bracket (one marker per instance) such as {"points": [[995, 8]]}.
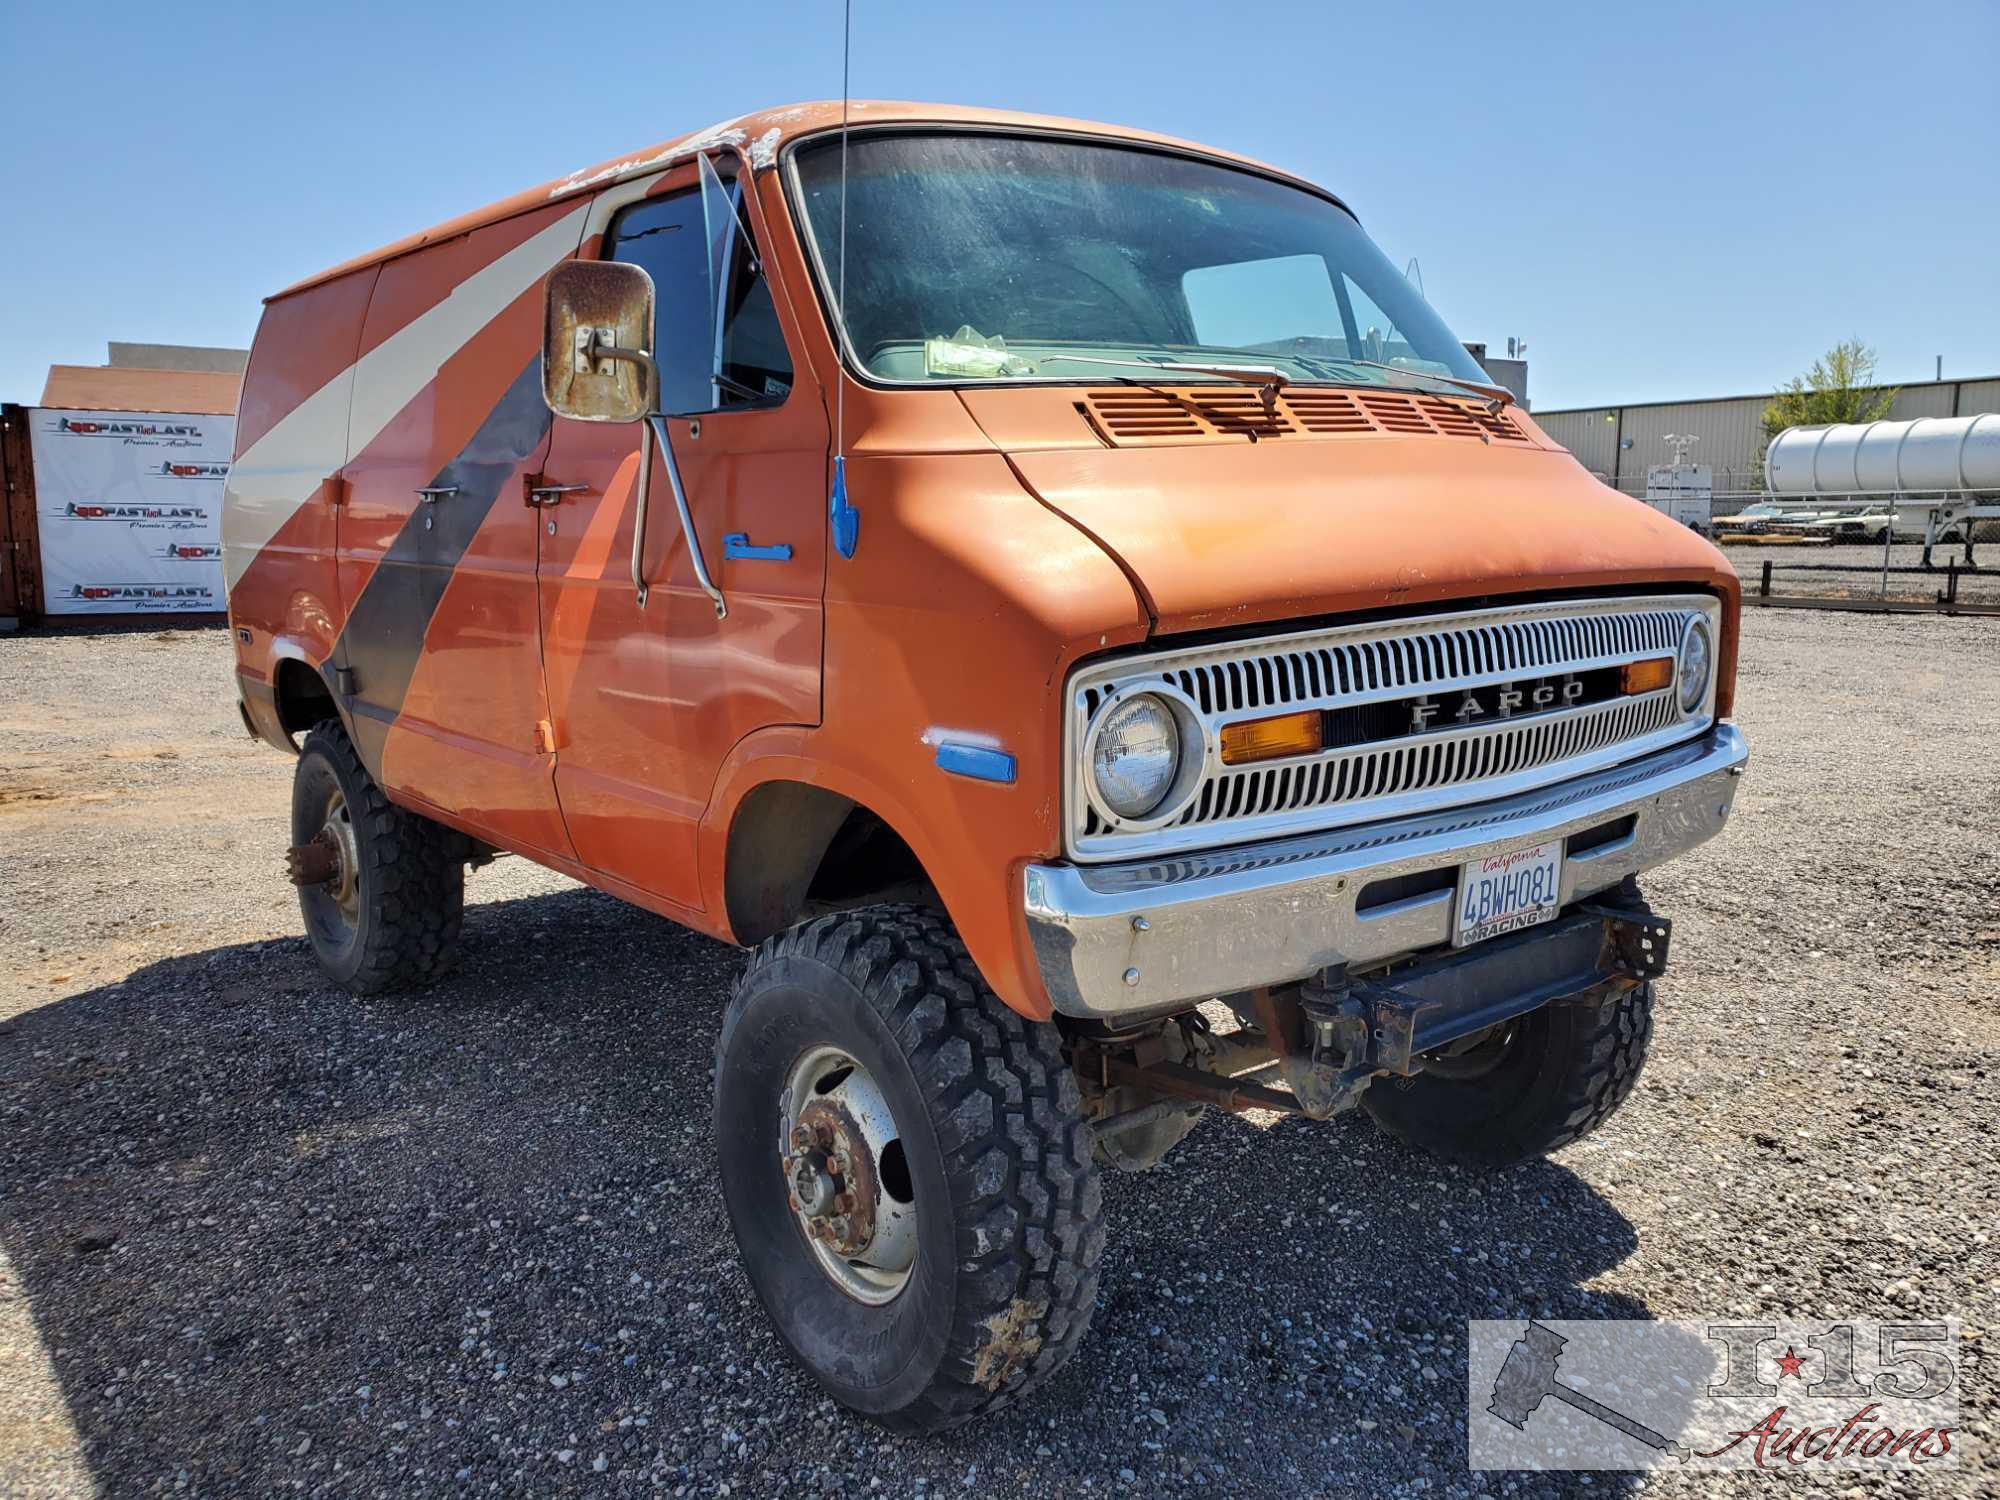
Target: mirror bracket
{"points": [[657, 426], [589, 339]]}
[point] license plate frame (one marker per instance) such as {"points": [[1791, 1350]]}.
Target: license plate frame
{"points": [[1484, 895]]}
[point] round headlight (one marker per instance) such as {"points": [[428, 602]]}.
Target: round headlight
{"points": [[1136, 755], [1697, 662]]}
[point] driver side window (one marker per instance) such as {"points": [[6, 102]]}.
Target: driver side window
{"points": [[714, 352]]}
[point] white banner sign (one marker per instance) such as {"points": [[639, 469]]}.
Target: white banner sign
{"points": [[130, 510]]}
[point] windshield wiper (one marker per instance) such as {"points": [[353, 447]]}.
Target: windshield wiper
{"points": [[1321, 364], [1322, 368], [1263, 375], [1497, 396], [1268, 381], [1271, 381]]}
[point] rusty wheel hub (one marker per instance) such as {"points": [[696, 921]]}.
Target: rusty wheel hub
{"points": [[846, 1176], [832, 1177], [314, 862], [330, 861]]}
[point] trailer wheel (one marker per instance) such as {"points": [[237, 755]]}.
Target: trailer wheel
{"points": [[382, 890], [907, 1169], [1528, 1087]]}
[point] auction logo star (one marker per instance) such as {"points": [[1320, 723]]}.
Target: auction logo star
{"points": [[1790, 1364]]}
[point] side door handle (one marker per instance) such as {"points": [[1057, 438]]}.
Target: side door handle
{"points": [[542, 493], [737, 545], [430, 494]]}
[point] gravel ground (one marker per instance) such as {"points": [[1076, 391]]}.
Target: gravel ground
{"points": [[1856, 572], [257, 1238]]}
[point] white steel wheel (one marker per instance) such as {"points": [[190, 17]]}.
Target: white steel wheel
{"points": [[337, 833], [381, 890], [925, 1235], [848, 1176]]}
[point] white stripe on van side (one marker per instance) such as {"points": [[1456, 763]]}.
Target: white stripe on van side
{"points": [[280, 471]]}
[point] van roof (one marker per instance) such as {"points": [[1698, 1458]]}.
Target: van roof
{"points": [[763, 135]]}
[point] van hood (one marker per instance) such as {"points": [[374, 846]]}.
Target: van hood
{"points": [[1221, 534]]}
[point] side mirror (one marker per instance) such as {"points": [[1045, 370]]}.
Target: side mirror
{"points": [[597, 364]]}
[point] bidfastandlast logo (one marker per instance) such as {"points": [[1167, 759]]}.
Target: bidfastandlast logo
{"points": [[172, 470], [191, 551], [175, 595], [1717, 1394], [134, 515], [125, 428]]}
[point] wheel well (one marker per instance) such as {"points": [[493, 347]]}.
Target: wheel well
{"points": [[301, 695], [796, 850]]}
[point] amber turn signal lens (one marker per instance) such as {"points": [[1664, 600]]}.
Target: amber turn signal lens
{"points": [[1268, 739], [1646, 676]]}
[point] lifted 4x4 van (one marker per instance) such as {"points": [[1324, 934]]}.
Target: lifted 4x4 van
{"points": [[1055, 595]]}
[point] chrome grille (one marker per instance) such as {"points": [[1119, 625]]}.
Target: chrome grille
{"points": [[1352, 666]]}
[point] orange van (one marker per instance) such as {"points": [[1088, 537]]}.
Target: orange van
{"points": [[1059, 599]]}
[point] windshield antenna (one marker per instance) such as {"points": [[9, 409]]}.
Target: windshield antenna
{"points": [[845, 518]]}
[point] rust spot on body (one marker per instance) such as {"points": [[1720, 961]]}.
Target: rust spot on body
{"points": [[1013, 1335]]}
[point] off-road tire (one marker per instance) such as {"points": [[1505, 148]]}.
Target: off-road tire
{"points": [[412, 876], [1010, 1222], [1565, 1069]]}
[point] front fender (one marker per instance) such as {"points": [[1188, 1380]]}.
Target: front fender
{"points": [[955, 622]]}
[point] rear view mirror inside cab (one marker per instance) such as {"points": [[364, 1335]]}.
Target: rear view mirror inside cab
{"points": [[597, 363]]}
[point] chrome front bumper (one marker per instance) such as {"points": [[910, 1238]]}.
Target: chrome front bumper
{"points": [[1123, 941]]}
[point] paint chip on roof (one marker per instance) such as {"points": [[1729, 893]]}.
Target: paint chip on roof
{"points": [[723, 134]]}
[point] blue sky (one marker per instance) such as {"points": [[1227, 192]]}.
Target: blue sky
{"points": [[1662, 200]]}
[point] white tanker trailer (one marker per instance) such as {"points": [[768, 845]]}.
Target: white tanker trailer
{"points": [[1946, 469]]}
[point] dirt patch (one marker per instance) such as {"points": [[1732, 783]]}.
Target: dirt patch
{"points": [[1012, 1337]]}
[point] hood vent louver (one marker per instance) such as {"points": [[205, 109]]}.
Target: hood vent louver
{"points": [[1142, 417]]}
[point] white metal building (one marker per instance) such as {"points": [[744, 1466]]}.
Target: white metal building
{"points": [[1619, 443]]}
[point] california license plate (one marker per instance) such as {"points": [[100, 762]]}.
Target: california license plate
{"points": [[1510, 890]]}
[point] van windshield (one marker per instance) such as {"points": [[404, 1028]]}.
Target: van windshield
{"points": [[998, 257]]}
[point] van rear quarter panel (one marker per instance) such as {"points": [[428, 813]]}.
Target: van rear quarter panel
{"points": [[291, 442]]}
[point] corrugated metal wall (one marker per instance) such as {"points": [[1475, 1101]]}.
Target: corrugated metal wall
{"points": [[1731, 430], [1731, 433], [1923, 401], [1590, 435], [1975, 396]]}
